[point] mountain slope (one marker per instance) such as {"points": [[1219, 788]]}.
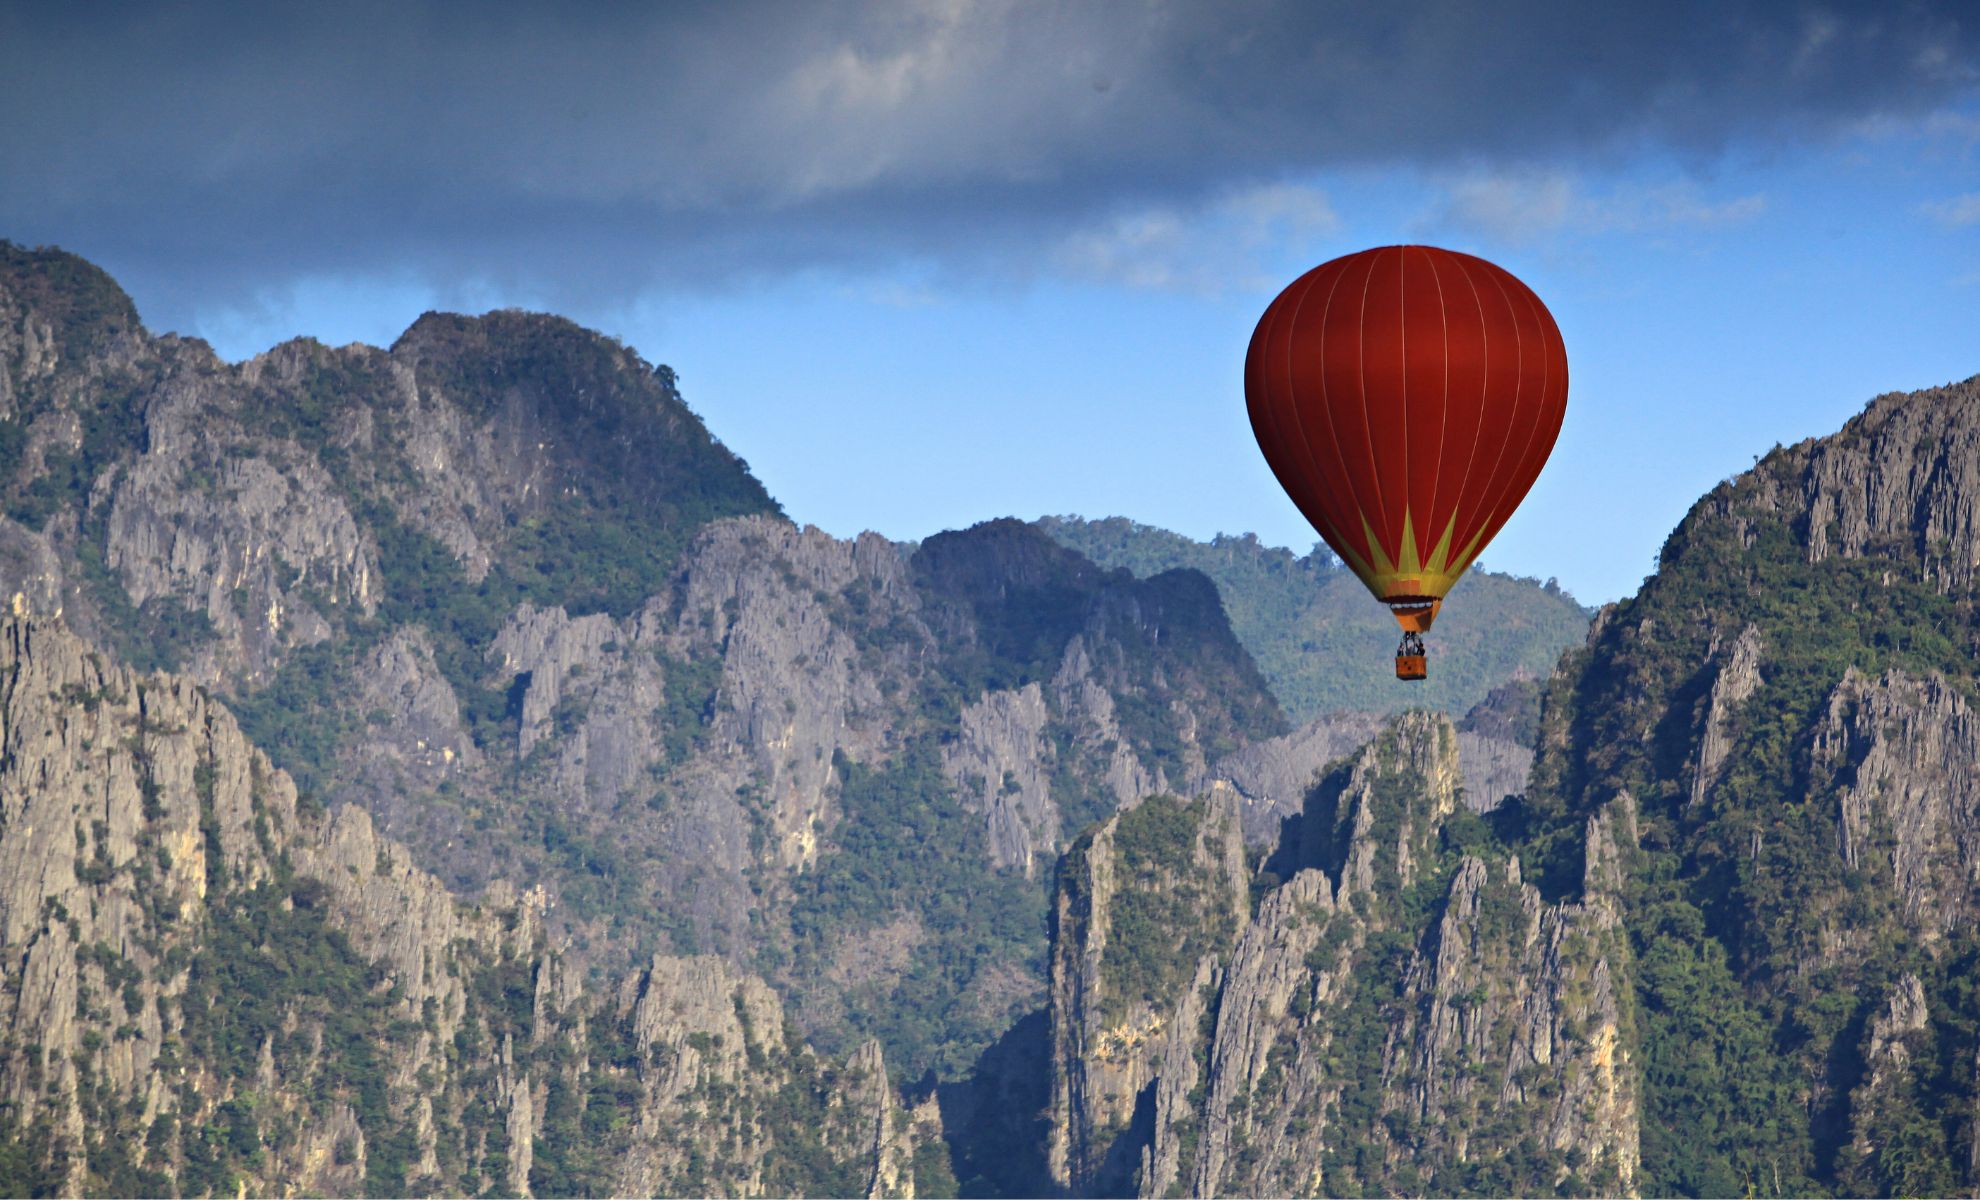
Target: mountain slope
{"points": [[1388, 1008], [500, 588], [1723, 943], [1788, 700]]}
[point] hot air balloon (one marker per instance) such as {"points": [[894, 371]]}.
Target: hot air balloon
{"points": [[1406, 397]]}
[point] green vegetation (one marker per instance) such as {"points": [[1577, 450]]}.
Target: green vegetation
{"points": [[272, 969], [1747, 990], [906, 849], [1166, 912], [301, 719], [1321, 642], [84, 307]]}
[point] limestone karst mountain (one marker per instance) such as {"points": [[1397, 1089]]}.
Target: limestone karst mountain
{"points": [[498, 586], [498, 593], [1723, 943], [442, 769], [1390, 1007], [212, 985]]}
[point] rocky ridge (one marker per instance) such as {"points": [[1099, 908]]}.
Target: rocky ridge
{"points": [[497, 586], [1788, 700], [216, 982], [1398, 1013]]}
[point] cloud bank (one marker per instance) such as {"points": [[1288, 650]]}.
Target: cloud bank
{"points": [[622, 148]]}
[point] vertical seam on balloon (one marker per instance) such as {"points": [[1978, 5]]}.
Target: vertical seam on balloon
{"points": [[1444, 425], [1484, 386], [1289, 405], [1547, 381], [1367, 426], [1402, 373], [1284, 408], [1333, 434], [1497, 486]]}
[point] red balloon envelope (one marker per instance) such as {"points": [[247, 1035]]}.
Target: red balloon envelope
{"points": [[1407, 397]]}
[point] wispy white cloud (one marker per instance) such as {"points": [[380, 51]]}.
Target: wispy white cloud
{"points": [[1278, 211], [900, 294], [1955, 212], [1527, 207], [1207, 251]]}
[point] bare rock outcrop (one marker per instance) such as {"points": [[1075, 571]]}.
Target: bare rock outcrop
{"points": [[1906, 472], [190, 945], [1905, 756], [1145, 905], [1001, 765], [1737, 678], [1274, 775], [1336, 1045]]}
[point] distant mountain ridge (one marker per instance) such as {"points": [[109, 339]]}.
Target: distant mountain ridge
{"points": [[1323, 645]]}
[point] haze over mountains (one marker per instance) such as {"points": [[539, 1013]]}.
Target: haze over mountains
{"points": [[1322, 647], [443, 769]]}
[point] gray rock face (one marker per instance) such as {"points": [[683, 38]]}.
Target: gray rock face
{"points": [[1274, 776], [1493, 768], [1001, 764], [133, 816], [1114, 1023], [1907, 763], [131, 806], [413, 715], [1738, 676], [207, 531], [701, 732], [1091, 712], [719, 1053], [1906, 471], [32, 579], [1294, 1063]]}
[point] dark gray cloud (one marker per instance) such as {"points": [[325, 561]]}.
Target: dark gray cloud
{"points": [[621, 146]]}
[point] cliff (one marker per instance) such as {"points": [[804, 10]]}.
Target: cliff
{"points": [[500, 588], [215, 985], [1788, 700], [1400, 1012]]}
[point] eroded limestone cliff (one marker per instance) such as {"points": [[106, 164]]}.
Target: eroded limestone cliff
{"points": [[211, 983], [1398, 1014]]}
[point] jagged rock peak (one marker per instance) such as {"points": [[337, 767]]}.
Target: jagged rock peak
{"points": [[58, 307], [1146, 906], [1432, 1018], [1374, 820], [1274, 776], [1903, 475]]}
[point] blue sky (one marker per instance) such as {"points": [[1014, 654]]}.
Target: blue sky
{"points": [[931, 312]]}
